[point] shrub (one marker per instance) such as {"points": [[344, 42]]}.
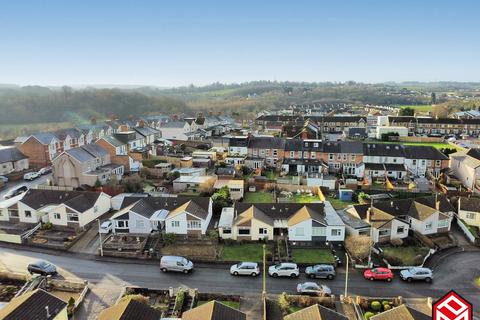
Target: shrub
{"points": [[213, 234], [179, 299], [385, 302], [387, 307], [418, 260], [169, 238], [305, 301], [136, 297], [396, 242], [376, 305], [283, 302], [359, 246], [368, 315], [47, 226]]}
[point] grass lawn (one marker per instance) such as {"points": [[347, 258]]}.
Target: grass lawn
{"points": [[339, 204], [243, 252], [406, 256], [258, 197], [231, 304], [312, 255], [304, 198], [473, 229], [418, 107], [293, 309], [477, 281], [437, 145]]}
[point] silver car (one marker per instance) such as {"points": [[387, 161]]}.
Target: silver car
{"points": [[417, 273], [245, 268], [284, 269], [313, 288], [325, 271], [176, 263]]}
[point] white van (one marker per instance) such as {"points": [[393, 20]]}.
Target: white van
{"points": [[176, 263]]}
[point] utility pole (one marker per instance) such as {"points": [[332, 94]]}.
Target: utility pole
{"points": [[100, 234], [346, 276], [264, 292]]}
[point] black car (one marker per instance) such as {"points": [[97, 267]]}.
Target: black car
{"points": [[43, 268]]}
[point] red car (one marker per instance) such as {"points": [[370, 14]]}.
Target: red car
{"points": [[378, 274]]}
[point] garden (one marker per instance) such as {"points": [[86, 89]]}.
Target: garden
{"points": [[405, 253], [374, 307], [312, 256], [244, 252], [258, 197], [292, 303]]}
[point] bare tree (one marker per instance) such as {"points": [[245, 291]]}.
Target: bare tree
{"points": [[359, 246]]}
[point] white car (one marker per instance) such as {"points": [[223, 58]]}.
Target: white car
{"points": [[313, 288], [284, 269], [31, 176], [106, 227], [245, 268]]}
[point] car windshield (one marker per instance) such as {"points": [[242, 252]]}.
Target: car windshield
{"points": [[375, 270], [43, 264], [239, 265], [184, 261]]}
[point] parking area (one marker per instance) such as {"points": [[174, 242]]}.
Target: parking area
{"points": [[29, 184]]}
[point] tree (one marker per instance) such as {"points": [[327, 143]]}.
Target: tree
{"points": [[407, 112], [359, 246], [221, 199], [434, 98], [97, 184]]}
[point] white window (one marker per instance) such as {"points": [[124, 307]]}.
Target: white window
{"points": [[274, 152], [352, 157], [243, 232], [330, 156], [344, 157], [28, 214], [262, 231], [401, 229], [194, 224], [315, 144], [122, 224], [336, 232], [319, 231], [443, 223], [56, 216], [175, 224], [313, 155], [262, 151], [471, 215], [438, 163], [72, 217], [428, 226], [383, 232], [292, 154], [299, 232], [299, 154], [414, 162]]}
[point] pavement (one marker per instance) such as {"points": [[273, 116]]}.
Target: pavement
{"points": [[29, 184], [107, 278]]}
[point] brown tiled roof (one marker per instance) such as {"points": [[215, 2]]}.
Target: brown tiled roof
{"points": [[316, 312], [213, 310], [129, 310], [401, 312], [31, 306]]}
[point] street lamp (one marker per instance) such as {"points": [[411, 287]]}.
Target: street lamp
{"points": [[264, 292], [346, 275], [100, 234]]}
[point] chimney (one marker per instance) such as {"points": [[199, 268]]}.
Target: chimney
{"points": [[48, 312], [123, 128], [141, 123], [304, 135], [368, 214]]}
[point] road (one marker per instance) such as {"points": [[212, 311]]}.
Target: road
{"points": [[29, 184], [455, 272]]}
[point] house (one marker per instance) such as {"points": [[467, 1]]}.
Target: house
{"points": [[12, 160], [71, 209], [226, 172], [235, 187], [317, 222], [70, 138], [134, 140], [174, 130], [9, 209], [84, 165], [465, 165], [150, 135], [270, 149], [129, 309], [238, 146], [469, 210], [192, 183], [179, 215], [119, 154], [393, 219], [384, 160], [403, 312], [213, 310], [422, 161], [38, 304], [316, 312], [40, 148], [385, 130]]}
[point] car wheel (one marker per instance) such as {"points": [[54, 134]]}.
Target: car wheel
{"points": [[274, 275], [254, 274], [330, 277], [293, 275], [409, 279], [235, 273], [389, 279], [428, 280], [371, 279], [164, 269], [312, 276], [186, 271]]}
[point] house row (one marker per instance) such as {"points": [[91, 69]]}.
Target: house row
{"points": [[64, 209], [351, 158], [196, 128], [318, 222], [12, 160], [388, 220]]}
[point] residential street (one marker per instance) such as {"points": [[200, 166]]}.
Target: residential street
{"points": [[107, 278], [29, 184]]}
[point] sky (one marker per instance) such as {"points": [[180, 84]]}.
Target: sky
{"points": [[175, 43]]}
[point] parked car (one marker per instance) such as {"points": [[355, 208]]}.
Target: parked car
{"points": [[45, 170], [43, 268], [325, 271], [378, 274], [31, 176], [3, 179], [15, 191], [106, 227], [176, 263], [313, 288], [417, 273], [245, 268], [284, 269]]}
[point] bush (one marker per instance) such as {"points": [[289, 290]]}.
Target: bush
{"points": [[385, 302], [47, 226], [169, 238], [136, 297], [376, 305], [396, 242], [179, 299], [359, 246], [283, 302], [213, 234], [387, 307], [368, 315]]}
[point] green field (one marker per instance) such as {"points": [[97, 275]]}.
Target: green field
{"points": [[258, 197], [243, 252], [312, 255], [418, 107], [437, 145]]}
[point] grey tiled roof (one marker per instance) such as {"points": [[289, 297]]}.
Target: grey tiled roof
{"points": [[11, 154]]}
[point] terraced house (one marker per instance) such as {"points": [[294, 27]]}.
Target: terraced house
{"points": [[265, 150]]}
